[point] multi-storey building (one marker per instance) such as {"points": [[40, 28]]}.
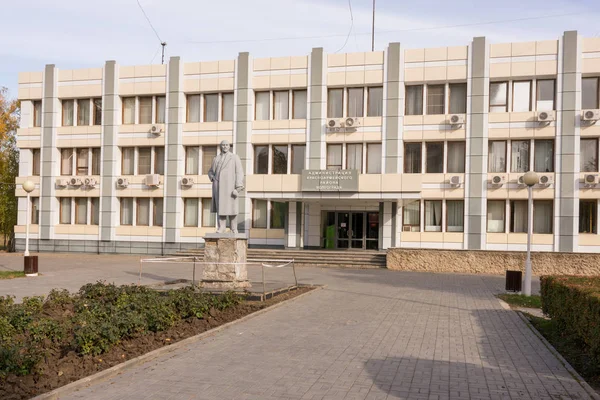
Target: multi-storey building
{"points": [[431, 156]]}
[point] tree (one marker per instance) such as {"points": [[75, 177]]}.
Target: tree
{"points": [[10, 113]]}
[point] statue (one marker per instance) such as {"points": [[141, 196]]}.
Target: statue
{"points": [[227, 179]]}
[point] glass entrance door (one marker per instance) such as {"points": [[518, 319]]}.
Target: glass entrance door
{"points": [[358, 230], [344, 231]]}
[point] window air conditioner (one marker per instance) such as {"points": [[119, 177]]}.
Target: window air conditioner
{"points": [[351, 122], [122, 182], [545, 116], [498, 180], [156, 130], [75, 182], [152, 180], [61, 182], [590, 180], [457, 119], [333, 123], [455, 180], [521, 181], [187, 181], [546, 180], [590, 115], [90, 182]]}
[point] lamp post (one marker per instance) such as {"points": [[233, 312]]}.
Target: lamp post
{"points": [[530, 179], [28, 187]]}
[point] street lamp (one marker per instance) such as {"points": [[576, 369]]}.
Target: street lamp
{"points": [[530, 179], [28, 187]]}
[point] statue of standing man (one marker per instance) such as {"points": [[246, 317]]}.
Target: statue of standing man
{"points": [[227, 179]]}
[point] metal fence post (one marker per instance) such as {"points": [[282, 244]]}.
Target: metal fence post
{"points": [[263, 281], [294, 269]]}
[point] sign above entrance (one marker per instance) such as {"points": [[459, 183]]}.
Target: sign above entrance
{"points": [[314, 180]]}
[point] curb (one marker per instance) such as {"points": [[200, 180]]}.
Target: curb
{"points": [[117, 369]]}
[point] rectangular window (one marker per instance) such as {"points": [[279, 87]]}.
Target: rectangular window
{"points": [[542, 216], [261, 159], [518, 216], [67, 112], [190, 212], [354, 157], [435, 99], [412, 158], [35, 162], [589, 93], [128, 160], [414, 100], [97, 107], [65, 210], [281, 105], [456, 157], [161, 104], [143, 212], [588, 216], [192, 160], [96, 161], [280, 158], [435, 157], [356, 102], [157, 211], [334, 156], [543, 157], [458, 98], [227, 111], [497, 156], [299, 104], [278, 213], [126, 210], [193, 108], [496, 216], [588, 158], [95, 217], [128, 110], [298, 155], [375, 102], [145, 116], [209, 219], [83, 112], [262, 106], [519, 156], [66, 161], [81, 210], [259, 214], [545, 95], [144, 159], [211, 107], [208, 155], [37, 113], [35, 210], [455, 216], [335, 103], [498, 96], [433, 216], [411, 217], [374, 158], [159, 160], [521, 96], [82, 161]]}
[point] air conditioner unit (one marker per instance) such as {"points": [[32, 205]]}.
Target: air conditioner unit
{"points": [[62, 182], [75, 182], [590, 180], [498, 180], [590, 115], [91, 182], [457, 119], [333, 123], [455, 180], [152, 180], [187, 181], [156, 130], [546, 179], [122, 182], [521, 181], [407, 228], [545, 116], [351, 122]]}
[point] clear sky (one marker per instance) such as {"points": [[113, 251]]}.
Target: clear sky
{"points": [[85, 33]]}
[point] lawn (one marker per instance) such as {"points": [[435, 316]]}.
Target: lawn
{"points": [[11, 274], [520, 300]]}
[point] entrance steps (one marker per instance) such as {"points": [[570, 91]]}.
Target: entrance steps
{"points": [[312, 258]]}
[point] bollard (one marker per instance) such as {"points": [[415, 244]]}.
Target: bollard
{"points": [[30, 266]]}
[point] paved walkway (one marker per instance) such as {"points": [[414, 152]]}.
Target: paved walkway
{"points": [[371, 334]]}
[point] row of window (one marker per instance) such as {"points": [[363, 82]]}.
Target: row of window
{"points": [[141, 211], [75, 210], [82, 161], [80, 112], [430, 156], [520, 161], [435, 210]]}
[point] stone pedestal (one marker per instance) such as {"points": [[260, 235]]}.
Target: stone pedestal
{"points": [[223, 253]]}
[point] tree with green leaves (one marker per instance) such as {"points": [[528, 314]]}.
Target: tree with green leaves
{"points": [[10, 112]]}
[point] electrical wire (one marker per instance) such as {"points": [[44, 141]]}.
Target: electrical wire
{"points": [[150, 23], [155, 54], [351, 26]]}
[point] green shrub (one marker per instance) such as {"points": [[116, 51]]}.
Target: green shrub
{"points": [[21, 315], [59, 297]]}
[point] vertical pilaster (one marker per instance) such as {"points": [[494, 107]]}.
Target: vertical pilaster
{"points": [[392, 116], [387, 226], [477, 142], [312, 225], [569, 121], [291, 225], [174, 149], [111, 111], [48, 154], [317, 110], [243, 126]]}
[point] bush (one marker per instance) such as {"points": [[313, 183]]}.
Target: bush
{"points": [[573, 303]]}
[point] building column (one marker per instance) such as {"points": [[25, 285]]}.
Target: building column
{"points": [[174, 150], [49, 160], [385, 240], [312, 226], [478, 83], [567, 147], [244, 98], [392, 111], [292, 226], [317, 110], [111, 112]]}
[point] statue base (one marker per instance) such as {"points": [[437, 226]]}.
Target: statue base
{"points": [[225, 261]]}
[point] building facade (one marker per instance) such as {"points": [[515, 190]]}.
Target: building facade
{"points": [[399, 148]]}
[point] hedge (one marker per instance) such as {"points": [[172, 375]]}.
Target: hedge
{"points": [[573, 302]]}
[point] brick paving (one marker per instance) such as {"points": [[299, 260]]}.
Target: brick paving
{"points": [[370, 334]]}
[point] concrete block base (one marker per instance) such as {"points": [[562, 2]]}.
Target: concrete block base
{"points": [[225, 262]]}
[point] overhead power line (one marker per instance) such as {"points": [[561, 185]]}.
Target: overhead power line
{"points": [[351, 26], [163, 44]]}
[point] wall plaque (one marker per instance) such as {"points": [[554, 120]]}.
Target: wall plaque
{"points": [[314, 180]]}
